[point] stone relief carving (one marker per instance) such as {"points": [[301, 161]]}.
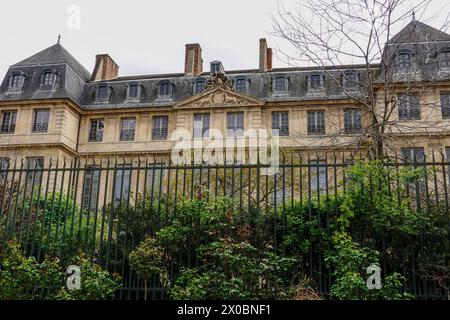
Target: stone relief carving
{"points": [[219, 80], [218, 98]]}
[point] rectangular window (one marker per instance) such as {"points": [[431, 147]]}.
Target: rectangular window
{"points": [[280, 84], [155, 179], [445, 105], [91, 187], [412, 155], [280, 123], [201, 125], [409, 107], [448, 171], [351, 80], [122, 184], [241, 85], [352, 121], [40, 122], [235, 124], [8, 122], [160, 127], [4, 165], [316, 122], [315, 81], [34, 171], [200, 86], [102, 93], [96, 130], [127, 129], [415, 156], [318, 174], [133, 91]]}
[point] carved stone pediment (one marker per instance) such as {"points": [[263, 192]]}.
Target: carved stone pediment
{"points": [[219, 97]]}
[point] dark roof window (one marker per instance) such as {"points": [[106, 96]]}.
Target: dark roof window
{"points": [[165, 89], [351, 80], [17, 81], [280, 84], [404, 60], [48, 79], [200, 86], [444, 59], [240, 85], [315, 82], [134, 91], [103, 93]]}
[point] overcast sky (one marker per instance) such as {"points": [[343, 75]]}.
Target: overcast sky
{"points": [[143, 36]]}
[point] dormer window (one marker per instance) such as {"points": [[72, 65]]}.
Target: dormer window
{"points": [[16, 81], [200, 86], [315, 82], [444, 59], [351, 81], [49, 78], [165, 89], [217, 67], [404, 60], [134, 92], [103, 92], [280, 84], [240, 85]]}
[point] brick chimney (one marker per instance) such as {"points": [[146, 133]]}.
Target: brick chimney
{"points": [[265, 56], [105, 68], [193, 62]]}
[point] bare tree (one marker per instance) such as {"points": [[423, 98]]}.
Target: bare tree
{"points": [[331, 34]]}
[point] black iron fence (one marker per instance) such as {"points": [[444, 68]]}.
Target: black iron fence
{"points": [[106, 207]]}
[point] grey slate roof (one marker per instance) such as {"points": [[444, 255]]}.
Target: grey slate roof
{"points": [[56, 54], [73, 79], [417, 31]]}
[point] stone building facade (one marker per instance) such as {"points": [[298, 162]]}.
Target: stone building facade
{"points": [[53, 108]]}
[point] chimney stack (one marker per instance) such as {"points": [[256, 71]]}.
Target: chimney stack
{"points": [[265, 56], [105, 68], [193, 62]]}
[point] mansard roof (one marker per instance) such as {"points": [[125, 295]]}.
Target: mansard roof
{"points": [[417, 31], [56, 54]]}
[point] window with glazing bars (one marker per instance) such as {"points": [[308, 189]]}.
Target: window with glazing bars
{"points": [[280, 123], [122, 184], [409, 107], [49, 78], [17, 81], [40, 123], [351, 80], [201, 125], [241, 85], [96, 130], [200, 86], [318, 174], [164, 89], [160, 127], [235, 124], [315, 81], [352, 121], [445, 59], [133, 91], [127, 129], [34, 166], [102, 93], [91, 187], [8, 122], [280, 84], [316, 122], [404, 60], [4, 165], [445, 105]]}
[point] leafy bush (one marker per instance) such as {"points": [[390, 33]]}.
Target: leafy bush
{"points": [[24, 278]]}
